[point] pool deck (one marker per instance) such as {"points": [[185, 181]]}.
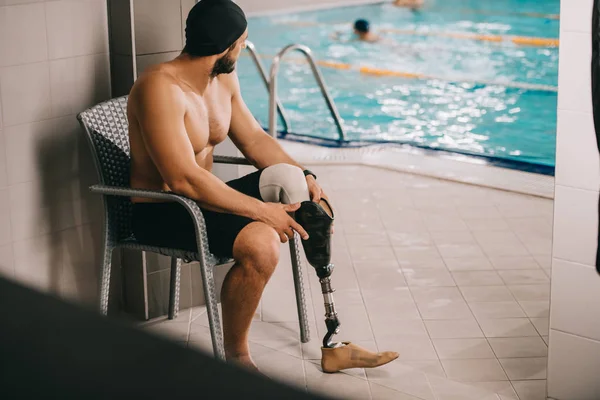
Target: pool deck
{"points": [[455, 277]]}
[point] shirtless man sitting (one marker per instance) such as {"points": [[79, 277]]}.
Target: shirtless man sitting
{"points": [[178, 112]]}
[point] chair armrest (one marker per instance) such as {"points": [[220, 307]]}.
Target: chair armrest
{"points": [[231, 160], [190, 205]]}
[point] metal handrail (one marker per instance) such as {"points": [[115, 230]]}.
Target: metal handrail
{"points": [[261, 70], [317, 74]]}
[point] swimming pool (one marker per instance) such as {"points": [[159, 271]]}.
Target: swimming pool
{"points": [[479, 97]]}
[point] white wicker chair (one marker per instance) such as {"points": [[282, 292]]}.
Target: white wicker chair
{"points": [[107, 129]]}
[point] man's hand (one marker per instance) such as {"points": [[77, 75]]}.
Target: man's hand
{"points": [[316, 192], [276, 216], [314, 189]]}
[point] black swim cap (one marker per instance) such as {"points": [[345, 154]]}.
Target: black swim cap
{"points": [[362, 25], [212, 26]]}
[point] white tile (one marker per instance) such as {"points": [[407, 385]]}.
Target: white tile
{"points": [[408, 256], [577, 160], [81, 253], [525, 368], [530, 390], [76, 28], [460, 250], [486, 293], [157, 26], [501, 243], [446, 389], [536, 309], [445, 237], [517, 347], [479, 212], [7, 263], [401, 377], [503, 388], [15, 2], [342, 385], [507, 327], [78, 83], [574, 77], [531, 292], [468, 264], [3, 171], [501, 263], [38, 262], [453, 329], [574, 14], [487, 224], [524, 277], [573, 365], [355, 240], [462, 348], [383, 393], [498, 309], [372, 253], [542, 325], [409, 347], [445, 223], [477, 278], [474, 370], [575, 288], [45, 152], [444, 309], [22, 34], [428, 277], [5, 223], [25, 93], [433, 294], [410, 239], [386, 327], [576, 225]]}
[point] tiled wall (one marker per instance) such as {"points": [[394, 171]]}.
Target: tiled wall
{"points": [[53, 64], [574, 351]]}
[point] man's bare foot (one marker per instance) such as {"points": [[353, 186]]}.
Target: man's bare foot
{"points": [[244, 361], [353, 356]]}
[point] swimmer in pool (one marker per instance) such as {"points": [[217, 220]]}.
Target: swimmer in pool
{"points": [[362, 32], [412, 4]]}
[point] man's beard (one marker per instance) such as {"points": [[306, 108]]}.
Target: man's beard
{"points": [[224, 65]]}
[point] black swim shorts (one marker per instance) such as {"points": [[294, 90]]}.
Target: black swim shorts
{"points": [[170, 225]]}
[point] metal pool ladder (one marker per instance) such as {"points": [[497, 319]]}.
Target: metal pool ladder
{"points": [[271, 84]]}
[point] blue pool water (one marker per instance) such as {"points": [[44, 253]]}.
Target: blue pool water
{"points": [[463, 105]]}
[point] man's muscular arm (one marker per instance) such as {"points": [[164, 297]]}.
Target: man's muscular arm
{"points": [[160, 111], [258, 147]]}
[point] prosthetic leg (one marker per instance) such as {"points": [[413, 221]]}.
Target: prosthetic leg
{"points": [[286, 184], [317, 219]]}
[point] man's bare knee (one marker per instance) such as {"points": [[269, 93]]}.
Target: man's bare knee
{"points": [[257, 247]]}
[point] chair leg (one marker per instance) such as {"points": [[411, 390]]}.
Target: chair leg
{"points": [[174, 287], [214, 321], [105, 278], [299, 287]]}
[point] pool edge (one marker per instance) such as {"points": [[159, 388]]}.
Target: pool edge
{"points": [[451, 167]]}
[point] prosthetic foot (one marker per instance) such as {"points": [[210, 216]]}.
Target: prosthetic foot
{"points": [[353, 356]]}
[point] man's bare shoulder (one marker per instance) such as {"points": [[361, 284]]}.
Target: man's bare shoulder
{"points": [[155, 83], [230, 81]]}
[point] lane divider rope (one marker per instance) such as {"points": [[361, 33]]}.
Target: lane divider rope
{"points": [[412, 75], [518, 40]]}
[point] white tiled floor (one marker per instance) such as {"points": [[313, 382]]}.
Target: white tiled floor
{"points": [[447, 274]]}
